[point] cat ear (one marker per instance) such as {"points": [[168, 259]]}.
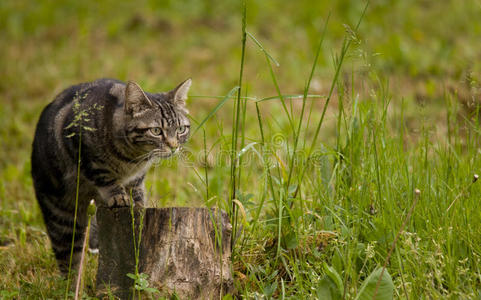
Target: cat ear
{"points": [[135, 99], [180, 93]]}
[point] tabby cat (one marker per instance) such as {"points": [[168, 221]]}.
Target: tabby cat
{"points": [[120, 130]]}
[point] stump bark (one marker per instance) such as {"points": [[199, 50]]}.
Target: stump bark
{"points": [[182, 250]]}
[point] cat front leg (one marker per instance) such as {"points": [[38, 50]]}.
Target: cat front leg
{"points": [[136, 188], [111, 191], [114, 196]]}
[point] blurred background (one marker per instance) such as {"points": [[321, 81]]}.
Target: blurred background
{"points": [[421, 50], [415, 53], [423, 47]]}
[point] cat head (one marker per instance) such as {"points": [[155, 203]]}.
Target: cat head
{"points": [[156, 123]]}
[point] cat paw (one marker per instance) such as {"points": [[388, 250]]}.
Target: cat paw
{"points": [[139, 203], [114, 196], [119, 200]]}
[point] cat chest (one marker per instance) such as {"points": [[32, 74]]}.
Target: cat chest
{"points": [[119, 171], [133, 172]]}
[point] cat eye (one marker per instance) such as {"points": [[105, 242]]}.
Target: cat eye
{"points": [[182, 129], [156, 130]]}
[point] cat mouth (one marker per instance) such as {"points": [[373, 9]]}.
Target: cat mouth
{"points": [[159, 153]]}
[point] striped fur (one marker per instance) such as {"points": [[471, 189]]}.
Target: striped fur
{"points": [[121, 130]]}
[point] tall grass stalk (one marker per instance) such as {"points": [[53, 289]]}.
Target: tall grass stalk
{"points": [[137, 243], [242, 141], [267, 171], [77, 189], [91, 210], [235, 130], [269, 58], [304, 98], [206, 166], [344, 50]]}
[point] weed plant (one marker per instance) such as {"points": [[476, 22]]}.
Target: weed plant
{"points": [[338, 220]]}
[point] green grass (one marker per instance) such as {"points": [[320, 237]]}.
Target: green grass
{"points": [[324, 185]]}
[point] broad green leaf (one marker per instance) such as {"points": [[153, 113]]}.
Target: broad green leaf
{"points": [[327, 290], [334, 276], [336, 260], [385, 290]]}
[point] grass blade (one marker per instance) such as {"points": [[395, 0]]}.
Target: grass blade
{"points": [[216, 108]]}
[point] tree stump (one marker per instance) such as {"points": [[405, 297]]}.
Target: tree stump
{"points": [[182, 250]]}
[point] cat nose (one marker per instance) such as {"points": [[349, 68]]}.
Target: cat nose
{"points": [[173, 144]]}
